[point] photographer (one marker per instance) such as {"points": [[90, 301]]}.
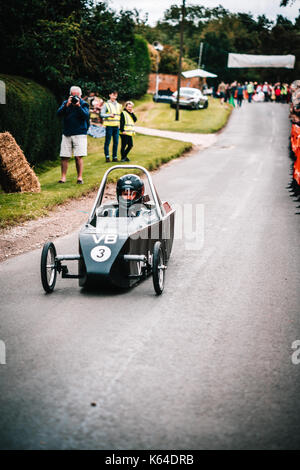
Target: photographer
{"points": [[75, 113]]}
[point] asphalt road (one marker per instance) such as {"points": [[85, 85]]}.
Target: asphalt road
{"points": [[205, 366]]}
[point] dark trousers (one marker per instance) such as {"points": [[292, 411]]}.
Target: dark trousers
{"points": [[126, 144], [239, 100], [111, 132]]}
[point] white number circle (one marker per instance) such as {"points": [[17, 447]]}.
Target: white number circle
{"points": [[100, 253]]}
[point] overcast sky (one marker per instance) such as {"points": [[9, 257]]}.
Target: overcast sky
{"points": [[156, 8]]}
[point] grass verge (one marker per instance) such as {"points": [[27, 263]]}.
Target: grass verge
{"points": [[203, 121], [149, 152]]}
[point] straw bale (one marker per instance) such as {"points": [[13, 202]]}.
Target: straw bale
{"points": [[16, 175]]}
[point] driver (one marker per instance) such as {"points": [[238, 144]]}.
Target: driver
{"points": [[130, 195]]}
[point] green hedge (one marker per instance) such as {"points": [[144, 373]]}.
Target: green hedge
{"points": [[30, 116], [140, 66]]}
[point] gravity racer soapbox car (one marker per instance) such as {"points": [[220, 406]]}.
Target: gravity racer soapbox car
{"points": [[121, 243]]}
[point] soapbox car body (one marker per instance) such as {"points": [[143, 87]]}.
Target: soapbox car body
{"points": [[116, 249]]}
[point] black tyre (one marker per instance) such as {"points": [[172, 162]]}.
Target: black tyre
{"points": [[158, 269], [206, 105], [48, 267]]}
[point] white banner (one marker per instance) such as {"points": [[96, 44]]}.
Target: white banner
{"points": [[249, 60]]}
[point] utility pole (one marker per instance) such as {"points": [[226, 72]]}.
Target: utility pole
{"points": [[158, 47], [180, 59], [200, 55]]}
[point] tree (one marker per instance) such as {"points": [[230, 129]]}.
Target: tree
{"points": [[284, 3], [72, 41], [222, 32]]}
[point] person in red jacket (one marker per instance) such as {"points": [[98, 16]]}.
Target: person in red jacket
{"points": [[278, 93]]}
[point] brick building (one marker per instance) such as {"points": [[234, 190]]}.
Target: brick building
{"points": [[170, 81]]}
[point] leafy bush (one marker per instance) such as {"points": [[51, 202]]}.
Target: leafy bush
{"points": [[30, 116], [221, 32]]}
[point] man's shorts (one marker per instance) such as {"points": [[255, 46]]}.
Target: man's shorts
{"points": [[75, 144]]}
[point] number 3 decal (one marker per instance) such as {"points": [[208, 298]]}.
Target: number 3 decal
{"points": [[100, 253]]}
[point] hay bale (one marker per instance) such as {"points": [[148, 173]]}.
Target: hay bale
{"points": [[15, 172]]}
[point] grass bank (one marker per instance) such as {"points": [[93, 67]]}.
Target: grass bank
{"points": [[149, 152], [162, 116]]}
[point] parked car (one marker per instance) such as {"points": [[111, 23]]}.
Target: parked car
{"points": [[163, 96], [190, 98]]}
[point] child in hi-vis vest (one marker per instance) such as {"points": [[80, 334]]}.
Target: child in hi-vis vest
{"points": [[128, 118]]}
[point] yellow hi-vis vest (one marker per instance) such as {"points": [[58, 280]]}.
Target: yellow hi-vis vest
{"points": [[116, 110], [284, 90], [129, 124]]}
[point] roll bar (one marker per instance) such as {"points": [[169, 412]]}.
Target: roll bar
{"points": [[100, 193]]}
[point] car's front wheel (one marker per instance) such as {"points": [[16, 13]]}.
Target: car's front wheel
{"points": [[158, 268], [48, 267]]}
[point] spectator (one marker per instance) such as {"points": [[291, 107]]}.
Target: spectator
{"points": [[111, 114], [75, 113], [284, 92], [245, 92], [258, 89], [250, 91], [272, 93], [227, 93], [278, 93], [266, 91], [128, 118], [259, 95], [95, 110], [289, 94], [89, 97], [295, 102], [233, 89], [240, 94], [221, 91]]}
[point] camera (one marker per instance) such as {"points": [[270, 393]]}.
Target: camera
{"points": [[75, 100]]}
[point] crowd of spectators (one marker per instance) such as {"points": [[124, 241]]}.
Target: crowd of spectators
{"points": [[295, 103], [253, 91], [95, 103], [92, 116]]}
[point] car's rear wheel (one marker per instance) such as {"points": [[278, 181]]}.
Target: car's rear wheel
{"points": [[158, 268], [205, 105], [48, 267]]}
